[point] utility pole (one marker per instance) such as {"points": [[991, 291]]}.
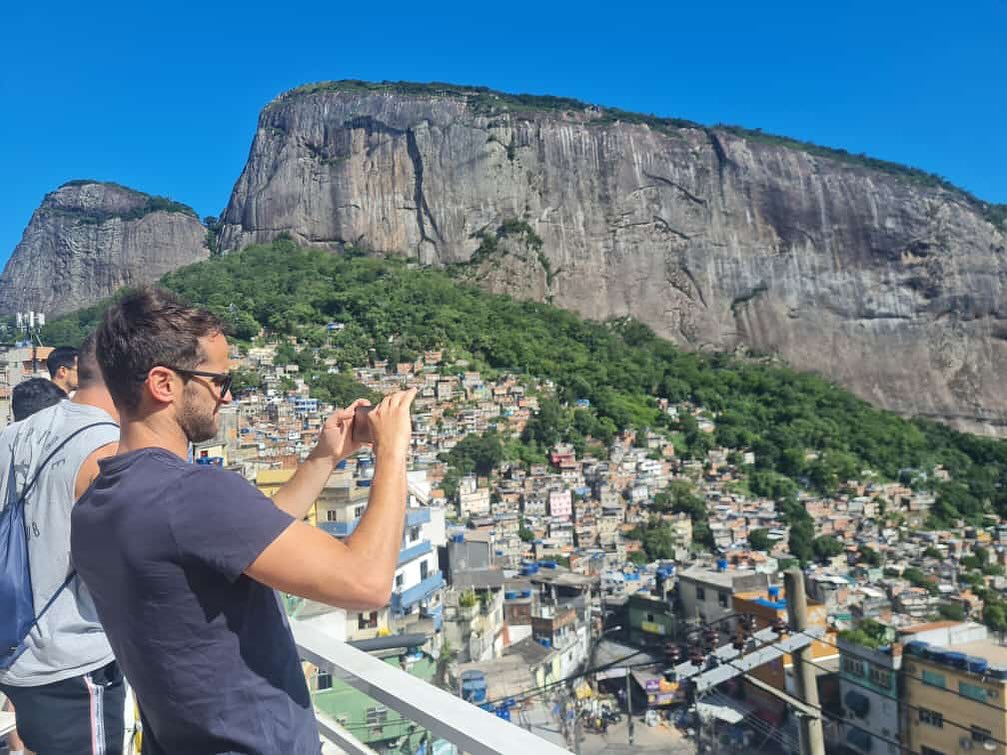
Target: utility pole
{"points": [[629, 705], [812, 738], [576, 726]]}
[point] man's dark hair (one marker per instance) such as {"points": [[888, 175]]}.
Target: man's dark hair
{"points": [[144, 329], [61, 356], [33, 395], [88, 369]]}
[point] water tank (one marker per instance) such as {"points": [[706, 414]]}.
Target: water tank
{"points": [[547, 564], [721, 564], [511, 594], [917, 648], [997, 672], [958, 660], [977, 665], [459, 538], [774, 592]]}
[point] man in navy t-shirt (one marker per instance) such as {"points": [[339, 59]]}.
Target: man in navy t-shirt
{"points": [[183, 560]]}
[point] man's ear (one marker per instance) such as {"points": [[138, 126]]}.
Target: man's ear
{"points": [[161, 385]]}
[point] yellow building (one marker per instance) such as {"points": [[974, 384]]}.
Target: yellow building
{"points": [[268, 481], [955, 700]]}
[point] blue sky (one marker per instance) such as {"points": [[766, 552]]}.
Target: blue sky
{"points": [[164, 97]]}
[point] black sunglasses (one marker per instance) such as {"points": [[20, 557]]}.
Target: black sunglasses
{"points": [[222, 380]]}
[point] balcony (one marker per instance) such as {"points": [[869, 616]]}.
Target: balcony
{"points": [[416, 516], [446, 717], [414, 551], [339, 529], [403, 600]]}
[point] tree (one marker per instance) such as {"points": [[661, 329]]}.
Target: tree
{"points": [[952, 611], [870, 556], [802, 533], [995, 616], [476, 453], [341, 389], [244, 380], [759, 540], [826, 547], [525, 533]]}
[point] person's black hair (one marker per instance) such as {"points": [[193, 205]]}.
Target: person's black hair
{"points": [[146, 328], [88, 369], [61, 356], [34, 395]]}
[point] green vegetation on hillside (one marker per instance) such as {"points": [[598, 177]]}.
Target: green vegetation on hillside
{"points": [[804, 431], [152, 203], [485, 101], [869, 634]]}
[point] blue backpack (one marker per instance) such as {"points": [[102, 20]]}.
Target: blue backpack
{"points": [[17, 599]]}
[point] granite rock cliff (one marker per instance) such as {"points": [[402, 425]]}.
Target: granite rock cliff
{"points": [[87, 239], [718, 239]]}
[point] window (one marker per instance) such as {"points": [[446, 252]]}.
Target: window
{"points": [[358, 512], [931, 718], [323, 680], [414, 534], [399, 580], [367, 620], [424, 569], [853, 666], [700, 593], [881, 678], [933, 678], [981, 735], [330, 516], [722, 599], [973, 691], [650, 618]]}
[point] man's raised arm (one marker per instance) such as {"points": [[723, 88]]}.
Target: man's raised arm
{"points": [[355, 574]]}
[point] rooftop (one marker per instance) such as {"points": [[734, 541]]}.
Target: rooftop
{"points": [[991, 650]]}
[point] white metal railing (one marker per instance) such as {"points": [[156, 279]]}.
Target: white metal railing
{"points": [[471, 729]]}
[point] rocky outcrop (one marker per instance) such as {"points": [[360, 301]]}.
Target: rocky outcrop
{"points": [[88, 239], [716, 239]]}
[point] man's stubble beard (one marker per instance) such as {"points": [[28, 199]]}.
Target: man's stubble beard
{"points": [[198, 425]]}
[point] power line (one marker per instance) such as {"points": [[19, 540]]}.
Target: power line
{"points": [[823, 712], [824, 641], [534, 691], [920, 679], [908, 705]]}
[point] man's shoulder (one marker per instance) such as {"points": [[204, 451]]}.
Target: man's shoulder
{"points": [[212, 476]]}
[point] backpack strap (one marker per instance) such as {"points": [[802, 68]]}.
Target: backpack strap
{"points": [[38, 472], [24, 495]]}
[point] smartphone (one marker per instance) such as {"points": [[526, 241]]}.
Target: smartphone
{"points": [[361, 432]]}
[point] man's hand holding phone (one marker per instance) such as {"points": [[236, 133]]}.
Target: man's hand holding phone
{"points": [[387, 426]]}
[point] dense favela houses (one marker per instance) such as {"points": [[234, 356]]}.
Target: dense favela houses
{"points": [[521, 566]]}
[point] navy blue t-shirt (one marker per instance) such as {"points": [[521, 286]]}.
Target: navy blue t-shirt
{"points": [[162, 546]]}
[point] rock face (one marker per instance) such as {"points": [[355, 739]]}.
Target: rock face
{"points": [[717, 240], [88, 239]]}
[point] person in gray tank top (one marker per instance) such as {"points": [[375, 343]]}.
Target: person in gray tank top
{"points": [[67, 690]]}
